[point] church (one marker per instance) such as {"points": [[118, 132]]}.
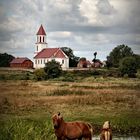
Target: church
{"points": [[44, 54]]}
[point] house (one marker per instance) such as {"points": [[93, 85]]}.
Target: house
{"points": [[21, 62], [97, 64], [83, 63], [44, 54]]}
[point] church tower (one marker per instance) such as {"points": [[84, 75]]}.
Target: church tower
{"points": [[41, 40]]}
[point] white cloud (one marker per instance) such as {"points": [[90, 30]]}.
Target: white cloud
{"points": [[83, 25], [58, 34]]}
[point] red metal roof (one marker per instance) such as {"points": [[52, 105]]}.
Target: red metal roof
{"points": [[41, 31], [19, 60], [51, 53]]}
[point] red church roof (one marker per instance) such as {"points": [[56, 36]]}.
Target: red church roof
{"points": [[41, 31], [51, 53], [19, 60]]}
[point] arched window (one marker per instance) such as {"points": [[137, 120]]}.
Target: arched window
{"points": [[37, 48], [43, 38], [40, 38]]}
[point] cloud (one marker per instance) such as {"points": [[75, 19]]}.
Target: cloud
{"points": [[105, 8], [83, 25]]}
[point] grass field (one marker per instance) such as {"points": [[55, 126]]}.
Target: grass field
{"points": [[26, 106]]}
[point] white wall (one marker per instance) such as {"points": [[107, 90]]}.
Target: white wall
{"points": [[40, 63]]}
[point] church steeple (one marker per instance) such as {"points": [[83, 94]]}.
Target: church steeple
{"points": [[41, 31], [41, 40]]}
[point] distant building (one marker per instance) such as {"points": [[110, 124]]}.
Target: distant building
{"points": [[21, 62], [83, 63], [97, 64], [43, 54]]}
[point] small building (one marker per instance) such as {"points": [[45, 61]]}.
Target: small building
{"points": [[21, 62], [83, 63], [97, 64], [44, 54]]}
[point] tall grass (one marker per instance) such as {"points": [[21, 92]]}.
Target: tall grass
{"points": [[26, 129]]}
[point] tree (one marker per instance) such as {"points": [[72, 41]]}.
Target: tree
{"points": [[5, 59], [137, 57], [73, 60], [40, 74], [117, 54], [95, 54], [52, 69], [128, 66]]}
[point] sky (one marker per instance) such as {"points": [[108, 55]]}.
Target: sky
{"points": [[85, 26]]}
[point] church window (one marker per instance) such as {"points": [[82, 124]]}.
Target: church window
{"points": [[43, 38], [37, 48], [40, 38]]}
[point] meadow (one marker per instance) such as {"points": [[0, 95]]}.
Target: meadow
{"points": [[26, 106]]}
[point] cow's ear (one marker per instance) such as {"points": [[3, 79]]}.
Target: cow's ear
{"points": [[58, 113]]}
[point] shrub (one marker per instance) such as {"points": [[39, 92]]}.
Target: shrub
{"points": [[40, 74], [128, 66], [53, 69]]}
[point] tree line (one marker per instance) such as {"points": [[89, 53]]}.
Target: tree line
{"points": [[121, 57]]}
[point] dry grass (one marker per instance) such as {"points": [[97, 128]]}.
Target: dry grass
{"points": [[28, 94]]}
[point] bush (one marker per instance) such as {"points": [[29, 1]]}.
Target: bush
{"points": [[128, 67], [53, 69], [40, 74]]}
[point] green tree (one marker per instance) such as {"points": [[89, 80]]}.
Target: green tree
{"points": [[73, 60], [128, 66], [53, 69], [94, 59], [117, 54], [5, 59], [40, 74], [137, 57]]}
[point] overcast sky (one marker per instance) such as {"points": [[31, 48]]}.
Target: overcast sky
{"points": [[85, 26]]}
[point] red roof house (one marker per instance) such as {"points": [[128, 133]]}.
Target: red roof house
{"points": [[97, 64], [21, 62], [83, 63]]}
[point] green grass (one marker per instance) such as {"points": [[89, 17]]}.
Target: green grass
{"points": [[40, 127], [26, 129]]}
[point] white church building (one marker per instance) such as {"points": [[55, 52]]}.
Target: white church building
{"points": [[43, 53]]}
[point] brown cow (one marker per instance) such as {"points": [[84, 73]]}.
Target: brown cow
{"points": [[71, 130], [106, 133]]}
